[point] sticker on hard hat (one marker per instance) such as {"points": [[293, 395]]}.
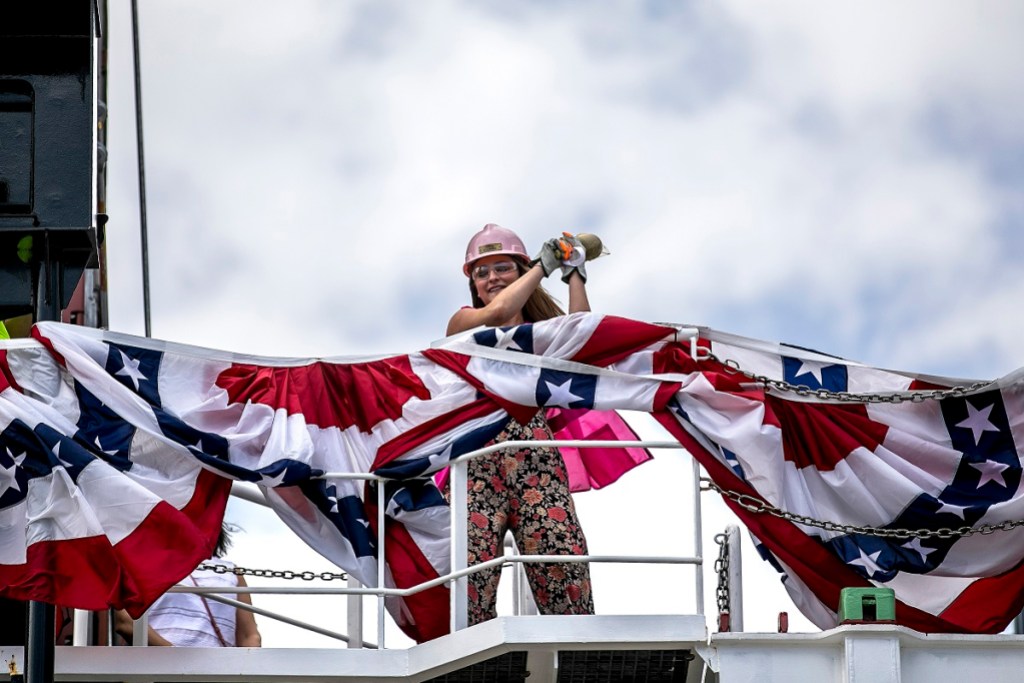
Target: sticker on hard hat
{"points": [[485, 248]]}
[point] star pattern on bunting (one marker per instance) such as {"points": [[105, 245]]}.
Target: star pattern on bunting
{"points": [[561, 394], [565, 389], [952, 509], [332, 498], [914, 545], [273, 480], [869, 562], [978, 421], [108, 435], [990, 471], [137, 369], [20, 461], [347, 514], [439, 460], [506, 339], [812, 368], [56, 453], [130, 369], [9, 473], [100, 449], [515, 338], [815, 374], [978, 427]]}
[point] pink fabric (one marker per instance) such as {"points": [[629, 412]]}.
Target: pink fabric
{"points": [[593, 468], [589, 468]]}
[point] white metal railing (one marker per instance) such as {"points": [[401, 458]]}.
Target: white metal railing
{"points": [[459, 552]]}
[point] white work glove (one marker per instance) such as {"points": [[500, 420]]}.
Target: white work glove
{"points": [[549, 257]]}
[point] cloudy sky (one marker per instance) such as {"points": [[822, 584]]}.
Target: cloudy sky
{"points": [[841, 176]]}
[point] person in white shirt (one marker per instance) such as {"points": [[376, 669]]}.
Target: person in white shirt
{"points": [[193, 620]]}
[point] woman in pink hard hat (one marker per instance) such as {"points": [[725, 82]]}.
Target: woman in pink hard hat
{"points": [[525, 491], [510, 293]]}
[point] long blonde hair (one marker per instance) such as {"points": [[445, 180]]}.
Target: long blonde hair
{"points": [[540, 306]]}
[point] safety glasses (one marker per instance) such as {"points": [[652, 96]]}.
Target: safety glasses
{"points": [[500, 268]]}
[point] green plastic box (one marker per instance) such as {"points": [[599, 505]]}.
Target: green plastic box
{"points": [[867, 605]]}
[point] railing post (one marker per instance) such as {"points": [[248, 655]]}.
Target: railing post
{"points": [[140, 631], [82, 633], [458, 474], [698, 541], [39, 645], [517, 584], [381, 566], [733, 538], [522, 595], [354, 604]]}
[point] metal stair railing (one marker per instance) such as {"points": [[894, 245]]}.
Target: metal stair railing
{"points": [[457, 577]]}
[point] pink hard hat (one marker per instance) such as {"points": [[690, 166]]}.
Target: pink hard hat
{"points": [[493, 240]]}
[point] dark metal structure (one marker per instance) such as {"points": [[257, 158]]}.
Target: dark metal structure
{"points": [[51, 230]]}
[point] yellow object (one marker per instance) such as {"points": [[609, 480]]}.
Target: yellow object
{"points": [[25, 248], [18, 327], [593, 244], [3, 331]]}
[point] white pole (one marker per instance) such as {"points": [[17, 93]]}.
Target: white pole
{"points": [[733, 538], [698, 530], [140, 631], [82, 633], [459, 474], [354, 603], [381, 566]]}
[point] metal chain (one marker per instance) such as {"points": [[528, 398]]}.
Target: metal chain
{"points": [[722, 569], [916, 396], [756, 505], [273, 573]]}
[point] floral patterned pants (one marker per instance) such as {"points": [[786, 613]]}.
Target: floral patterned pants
{"points": [[526, 491]]}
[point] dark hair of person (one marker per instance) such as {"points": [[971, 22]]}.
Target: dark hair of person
{"points": [[223, 541], [540, 306]]}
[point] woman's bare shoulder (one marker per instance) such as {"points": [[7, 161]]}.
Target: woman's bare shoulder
{"points": [[466, 318]]}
